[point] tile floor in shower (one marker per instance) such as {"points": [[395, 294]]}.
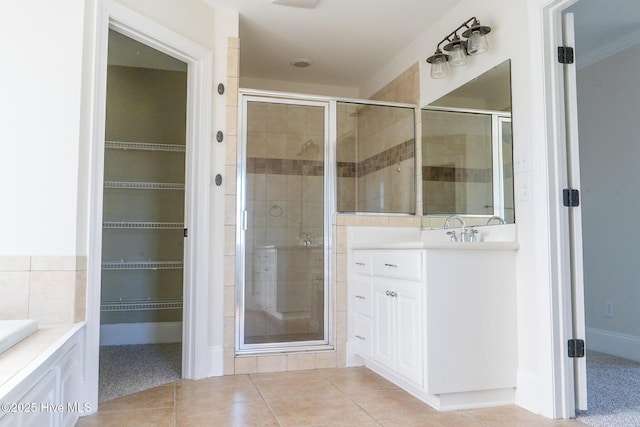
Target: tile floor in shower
{"points": [[324, 397]]}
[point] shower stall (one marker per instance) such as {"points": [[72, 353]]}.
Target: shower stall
{"points": [[295, 154], [284, 222]]}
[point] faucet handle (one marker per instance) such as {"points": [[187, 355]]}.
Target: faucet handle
{"points": [[473, 235], [452, 236]]}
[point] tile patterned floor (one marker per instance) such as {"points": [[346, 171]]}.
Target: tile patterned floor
{"points": [[324, 397]]}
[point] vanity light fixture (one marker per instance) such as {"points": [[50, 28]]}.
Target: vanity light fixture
{"points": [[458, 49]]}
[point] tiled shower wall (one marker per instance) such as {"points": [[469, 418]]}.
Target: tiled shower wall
{"points": [[285, 183], [285, 172], [376, 151], [50, 289], [375, 158]]}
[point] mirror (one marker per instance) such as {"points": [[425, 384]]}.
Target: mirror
{"points": [[467, 151]]}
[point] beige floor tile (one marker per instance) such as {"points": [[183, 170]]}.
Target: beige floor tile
{"points": [[352, 397], [298, 383], [157, 397], [443, 419], [357, 380], [390, 404], [238, 414], [218, 390], [156, 417], [511, 416], [315, 411]]}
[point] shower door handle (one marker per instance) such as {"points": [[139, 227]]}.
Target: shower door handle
{"points": [[244, 220]]}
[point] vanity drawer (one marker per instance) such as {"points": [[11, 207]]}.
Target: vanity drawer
{"points": [[362, 297], [401, 264], [363, 331], [362, 262]]}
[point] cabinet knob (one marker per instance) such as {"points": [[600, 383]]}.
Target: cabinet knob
{"points": [[360, 297], [388, 293], [391, 265], [361, 264], [361, 338]]}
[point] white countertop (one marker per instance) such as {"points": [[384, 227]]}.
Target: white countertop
{"points": [[441, 245]]}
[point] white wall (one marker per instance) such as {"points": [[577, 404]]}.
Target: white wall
{"points": [[507, 40], [41, 45], [608, 104]]}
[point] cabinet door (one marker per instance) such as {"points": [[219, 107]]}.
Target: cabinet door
{"points": [[383, 324], [43, 393], [408, 309]]}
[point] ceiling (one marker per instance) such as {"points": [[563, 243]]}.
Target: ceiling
{"points": [[347, 40]]}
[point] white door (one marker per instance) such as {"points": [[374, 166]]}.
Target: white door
{"points": [[575, 214]]}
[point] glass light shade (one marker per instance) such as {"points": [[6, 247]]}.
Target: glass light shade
{"points": [[477, 43], [457, 56], [439, 68]]}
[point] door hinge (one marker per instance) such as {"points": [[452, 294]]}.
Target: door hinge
{"points": [[570, 197], [565, 55], [186, 232], [575, 348]]}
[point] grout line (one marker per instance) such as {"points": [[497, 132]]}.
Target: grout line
{"points": [[175, 404], [265, 401]]}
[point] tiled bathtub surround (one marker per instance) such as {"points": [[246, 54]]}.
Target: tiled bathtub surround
{"points": [[50, 289]]}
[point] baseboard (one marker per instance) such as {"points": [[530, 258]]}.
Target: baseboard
{"points": [[528, 390], [140, 333], [614, 343], [352, 358], [216, 361]]}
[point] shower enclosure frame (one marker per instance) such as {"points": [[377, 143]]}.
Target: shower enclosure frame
{"points": [[245, 96], [330, 210]]}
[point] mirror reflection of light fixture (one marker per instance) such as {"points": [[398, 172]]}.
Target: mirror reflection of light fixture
{"points": [[458, 49]]}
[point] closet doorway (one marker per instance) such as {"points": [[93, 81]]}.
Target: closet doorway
{"points": [[143, 230]]}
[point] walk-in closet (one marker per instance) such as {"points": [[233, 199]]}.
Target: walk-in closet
{"points": [[143, 218]]}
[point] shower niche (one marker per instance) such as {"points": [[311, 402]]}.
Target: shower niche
{"points": [[143, 198]]}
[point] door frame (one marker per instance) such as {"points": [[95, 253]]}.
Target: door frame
{"points": [[549, 98], [101, 16], [329, 105]]}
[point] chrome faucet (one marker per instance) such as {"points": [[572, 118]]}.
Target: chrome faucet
{"points": [[496, 218], [463, 226], [305, 238]]}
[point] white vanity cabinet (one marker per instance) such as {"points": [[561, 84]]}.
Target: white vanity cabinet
{"points": [[439, 322], [389, 309]]}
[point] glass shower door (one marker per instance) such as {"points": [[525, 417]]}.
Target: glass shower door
{"points": [[282, 289]]}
